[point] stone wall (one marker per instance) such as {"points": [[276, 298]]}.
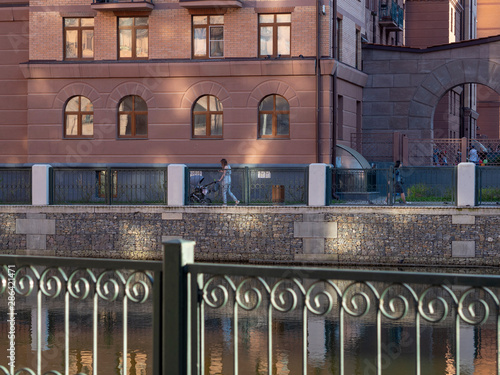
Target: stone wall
{"points": [[345, 235]]}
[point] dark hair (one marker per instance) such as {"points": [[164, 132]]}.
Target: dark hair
{"points": [[398, 164], [223, 162]]}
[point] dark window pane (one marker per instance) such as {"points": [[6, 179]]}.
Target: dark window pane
{"points": [[141, 21], [200, 125], [126, 104], [216, 49], [216, 125], [217, 33], [267, 104], [141, 124], [140, 104], [281, 104], [283, 124]]}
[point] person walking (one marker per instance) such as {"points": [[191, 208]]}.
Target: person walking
{"points": [[398, 183], [473, 157], [225, 179]]}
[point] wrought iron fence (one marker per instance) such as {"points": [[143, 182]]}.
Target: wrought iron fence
{"points": [[420, 185], [109, 186], [15, 185], [360, 186], [56, 296], [401, 307], [251, 186], [488, 185], [388, 301]]}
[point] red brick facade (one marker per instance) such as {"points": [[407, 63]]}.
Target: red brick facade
{"points": [[170, 81]]}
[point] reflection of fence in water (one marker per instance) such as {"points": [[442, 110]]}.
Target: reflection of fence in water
{"points": [[15, 185]]}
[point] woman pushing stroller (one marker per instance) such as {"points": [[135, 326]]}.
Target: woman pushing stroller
{"points": [[225, 179]]}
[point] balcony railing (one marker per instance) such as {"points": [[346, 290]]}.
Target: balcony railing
{"points": [[391, 16], [138, 5], [210, 3]]}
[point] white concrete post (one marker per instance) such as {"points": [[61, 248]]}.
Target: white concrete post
{"points": [[466, 185], [317, 184], [176, 184], [40, 184]]}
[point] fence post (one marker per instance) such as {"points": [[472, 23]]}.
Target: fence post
{"points": [[317, 185], [466, 185], [176, 182], [176, 320], [40, 184]]}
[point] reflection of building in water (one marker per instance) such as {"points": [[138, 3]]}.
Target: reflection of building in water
{"points": [[485, 345]]}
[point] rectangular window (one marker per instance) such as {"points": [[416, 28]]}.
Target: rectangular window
{"points": [[78, 38], [133, 37], [358, 49], [208, 37], [274, 34], [340, 118], [338, 39]]}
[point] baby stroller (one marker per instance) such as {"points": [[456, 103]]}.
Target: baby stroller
{"points": [[200, 191]]}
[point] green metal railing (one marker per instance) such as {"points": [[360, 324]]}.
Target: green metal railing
{"points": [[421, 185], [488, 185], [251, 186], [189, 291], [15, 185], [109, 186]]}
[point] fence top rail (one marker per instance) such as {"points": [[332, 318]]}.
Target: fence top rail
{"points": [[315, 273], [114, 264]]}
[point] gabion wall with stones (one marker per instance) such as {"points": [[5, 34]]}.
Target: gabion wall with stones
{"points": [[345, 235]]}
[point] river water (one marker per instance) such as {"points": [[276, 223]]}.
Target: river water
{"points": [[438, 341]]}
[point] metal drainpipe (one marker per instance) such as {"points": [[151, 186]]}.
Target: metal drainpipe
{"points": [[318, 85], [333, 84]]}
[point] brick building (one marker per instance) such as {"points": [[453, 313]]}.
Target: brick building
{"points": [[169, 81]]}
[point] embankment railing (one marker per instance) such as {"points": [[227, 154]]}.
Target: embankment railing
{"points": [[184, 293]]}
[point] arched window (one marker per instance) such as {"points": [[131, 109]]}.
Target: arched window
{"points": [[79, 118], [132, 117], [274, 117], [207, 117]]}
